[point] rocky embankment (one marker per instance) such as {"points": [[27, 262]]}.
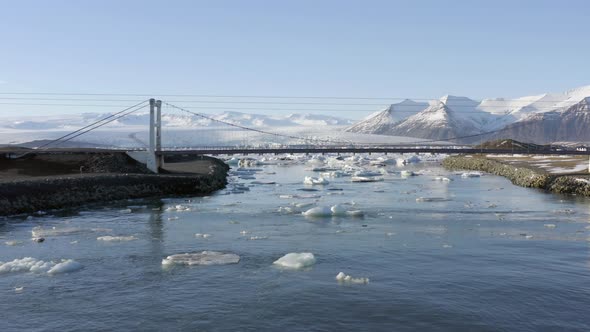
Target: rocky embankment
{"points": [[521, 176], [102, 178]]}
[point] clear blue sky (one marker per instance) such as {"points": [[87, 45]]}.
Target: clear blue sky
{"points": [[321, 48]]}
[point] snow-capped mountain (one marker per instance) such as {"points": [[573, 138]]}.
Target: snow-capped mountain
{"points": [[382, 122], [455, 117], [562, 125], [438, 121], [175, 120]]}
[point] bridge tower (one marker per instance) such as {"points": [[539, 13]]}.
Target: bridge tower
{"points": [[154, 159]]}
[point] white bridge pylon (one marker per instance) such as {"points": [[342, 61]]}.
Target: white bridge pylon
{"points": [[155, 161]]}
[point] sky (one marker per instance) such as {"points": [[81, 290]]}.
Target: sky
{"points": [[392, 49]]}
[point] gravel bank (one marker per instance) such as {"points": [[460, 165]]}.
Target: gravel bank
{"points": [[520, 176], [113, 177]]}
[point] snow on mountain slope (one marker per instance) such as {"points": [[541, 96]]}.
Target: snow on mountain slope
{"points": [[438, 121], [461, 116], [382, 121]]}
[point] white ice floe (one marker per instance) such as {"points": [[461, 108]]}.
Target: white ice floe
{"points": [[315, 181], [355, 213], [201, 258], [406, 173], [296, 260], [286, 210], [203, 236], [125, 211], [13, 243], [366, 173], [550, 225], [109, 238], [38, 231], [365, 179], [320, 211], [442, 178], [30, 264], [179, 208], [254, 238], [337, 210], [65, 266], [344, 278], [471, 175]]}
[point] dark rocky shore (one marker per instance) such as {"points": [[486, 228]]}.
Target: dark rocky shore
{"points": [[55, 181], [521, 176]]}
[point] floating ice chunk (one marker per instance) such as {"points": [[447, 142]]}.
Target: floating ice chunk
{"points": [[244, 232], [315, 181], [320, 211], [66, 266], [125, 211], [442, 178], [254, 238], [27, 264], [201, 258], [286, 210], [528, 236], [365, 179], [30, 264], [13, 243], [447, 246], [204, 236], [366, 173], [406, 173], [471, 175], [338, 210], [247, 162], [344, 278], [110, 238], [178, 207], [296, 260], [286, 196], [173, 218], [355, 213], [263, 182], [550, 225], [38, 231], [391, 234], [18, 289], [303, 205]]}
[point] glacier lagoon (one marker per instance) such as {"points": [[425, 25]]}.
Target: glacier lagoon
{"points": [[466, 253]]}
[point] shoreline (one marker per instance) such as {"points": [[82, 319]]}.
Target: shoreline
{"points": [[521, 176], [107, 183]]}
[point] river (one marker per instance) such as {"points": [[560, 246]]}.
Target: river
{"points": [[474, 253]]}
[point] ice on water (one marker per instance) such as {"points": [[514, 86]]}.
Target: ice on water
{"points": [[30, 264], [296, 260], [201, 258], [344, 278]]}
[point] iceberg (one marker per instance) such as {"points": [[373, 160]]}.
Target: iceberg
{"points": [[296, 260]]}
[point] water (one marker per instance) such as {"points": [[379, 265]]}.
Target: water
{"points": [[478, 257]]}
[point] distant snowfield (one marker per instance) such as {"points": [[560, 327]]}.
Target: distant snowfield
{"points": [[136, 136]]}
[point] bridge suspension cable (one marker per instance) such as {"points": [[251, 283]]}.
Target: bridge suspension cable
{"points": [[93, 126], [254, 129]]}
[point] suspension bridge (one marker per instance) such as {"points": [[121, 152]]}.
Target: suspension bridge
{"points": [[271, 141]]}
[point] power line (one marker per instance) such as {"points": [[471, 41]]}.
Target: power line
{"points": [[470, 102], [201, 107], [240, 96]]}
